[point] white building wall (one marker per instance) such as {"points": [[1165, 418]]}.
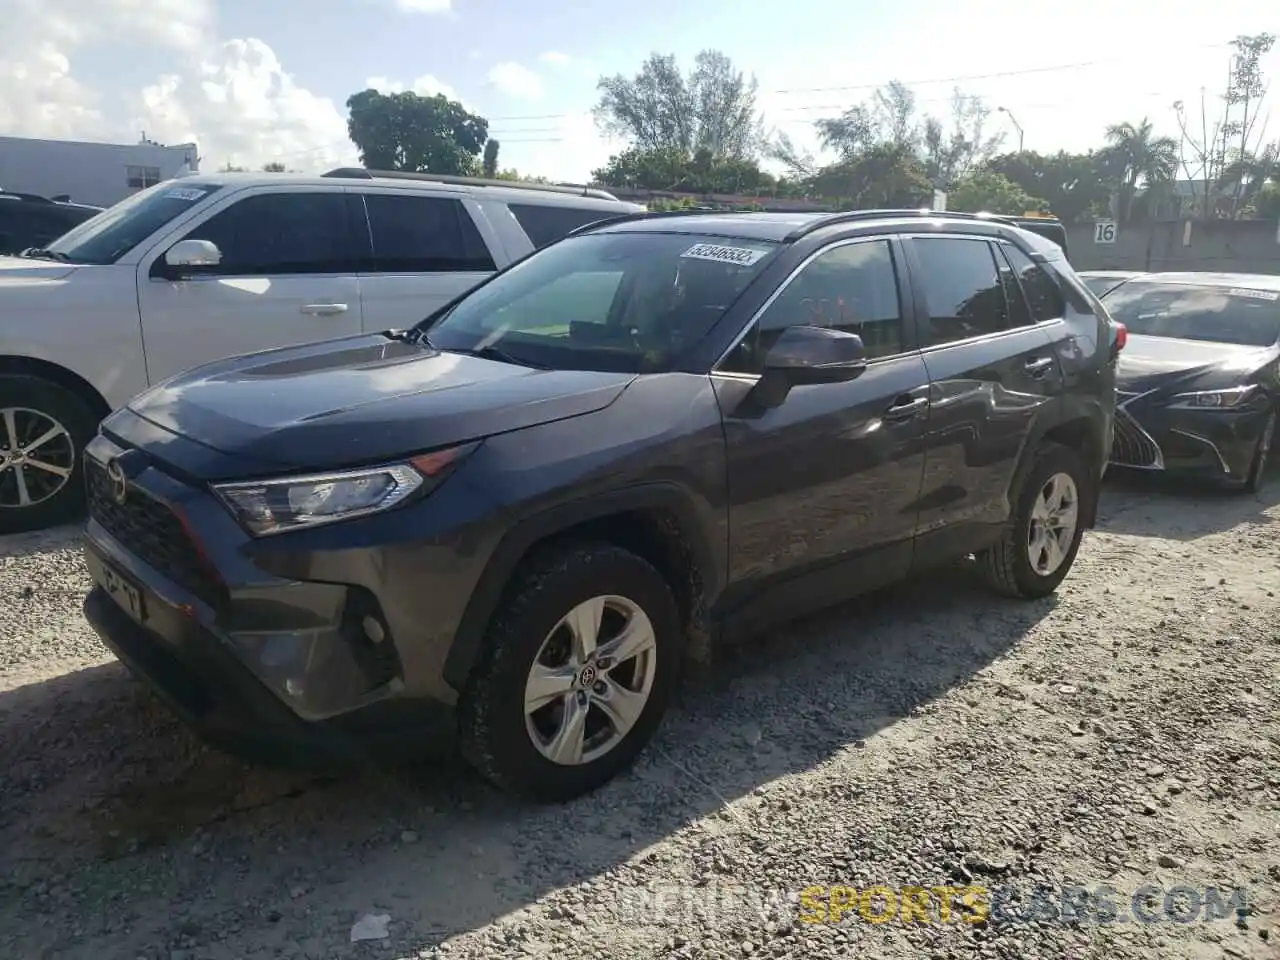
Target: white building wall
{"points": [[97, 173]]}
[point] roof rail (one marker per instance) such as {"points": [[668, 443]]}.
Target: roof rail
{"points": [[853, 216], [638, 215], [362, 173]]}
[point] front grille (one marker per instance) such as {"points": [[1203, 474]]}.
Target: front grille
{"points": [[1131, 446], [151, 532]]}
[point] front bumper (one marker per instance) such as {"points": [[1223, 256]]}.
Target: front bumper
{"points": [[1215, 444], [321, 646]]}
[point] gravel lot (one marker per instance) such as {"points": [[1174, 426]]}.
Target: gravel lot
{"points": [[1124, 732]]}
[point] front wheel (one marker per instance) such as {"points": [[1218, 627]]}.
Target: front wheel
{"points": [[579, 665], [1039, 542], [44, 428], [1261, 457]]}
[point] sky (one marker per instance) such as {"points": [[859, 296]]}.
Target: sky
{"points": [[255, 81]]}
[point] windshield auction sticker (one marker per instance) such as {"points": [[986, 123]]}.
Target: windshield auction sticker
{"points": [[739, 256], [1253, 294], [185, 193]]}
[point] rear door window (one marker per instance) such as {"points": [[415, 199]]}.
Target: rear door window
{"points": [[545, 223], [424, 235], [1042, 291], [962, 288]]}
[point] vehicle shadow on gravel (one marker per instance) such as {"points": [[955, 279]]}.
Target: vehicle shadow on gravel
{"points": [[1176, 508], [139, 816]]}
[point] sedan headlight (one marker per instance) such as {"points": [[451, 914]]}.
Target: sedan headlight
{"points": [[265, 507], [1214, 399]]}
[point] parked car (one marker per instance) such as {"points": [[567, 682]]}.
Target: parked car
{"points": [[30, 220], [523, 514], [1100, 281], [206, 267], [1198, 383]]}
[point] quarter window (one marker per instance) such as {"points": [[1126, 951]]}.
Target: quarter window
{"points": [[424, 235], [544, 223], [851, 287], [280, 234], [963, 293], [1042, 291]]}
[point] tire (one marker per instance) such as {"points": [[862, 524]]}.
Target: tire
{"points": [[32, 406], [494, 736], [1006, 565], [1261, 457]]}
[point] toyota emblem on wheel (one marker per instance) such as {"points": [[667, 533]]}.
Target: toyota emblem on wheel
{"points": [[119, 483]]}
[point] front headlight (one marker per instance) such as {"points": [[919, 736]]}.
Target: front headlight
{"points": [[275, 506], [1214, 399]]}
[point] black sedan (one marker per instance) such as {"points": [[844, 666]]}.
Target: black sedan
{"points": [[1198, 387]]}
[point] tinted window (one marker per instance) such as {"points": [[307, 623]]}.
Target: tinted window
{"points": [[545, 224], [619, 302], [115, 231], [962, 291], [281, 233], [1040, 288], [1224, 314], [424, 235], [851, 287]]}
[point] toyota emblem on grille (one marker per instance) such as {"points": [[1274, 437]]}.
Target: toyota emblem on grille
{"points": [[119, 483]]}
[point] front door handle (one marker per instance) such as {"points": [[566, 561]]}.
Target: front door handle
{"points": [[1038, 366], [323, 309], [906, 407]]}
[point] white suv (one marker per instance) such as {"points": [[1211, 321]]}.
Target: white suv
{"points": [[205, 267]]}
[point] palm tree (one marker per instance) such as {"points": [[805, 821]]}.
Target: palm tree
{"points": [[1138, 156]]}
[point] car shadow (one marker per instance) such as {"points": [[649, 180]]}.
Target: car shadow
{"points": [[1143, 504], [113, 810]]}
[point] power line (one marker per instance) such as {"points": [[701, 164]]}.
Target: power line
{"points": [[1001, 74]]}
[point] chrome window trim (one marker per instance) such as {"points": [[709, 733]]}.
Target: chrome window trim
{"points": [[755, 317]]}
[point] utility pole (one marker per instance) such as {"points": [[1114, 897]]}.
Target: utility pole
{"points": [[1016, 125]]}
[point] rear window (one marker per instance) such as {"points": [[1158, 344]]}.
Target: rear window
{"points": [[1242, 315], [544, 223]]}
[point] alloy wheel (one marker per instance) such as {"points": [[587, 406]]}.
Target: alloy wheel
{"points": [[37, 457], [1054, 516], [591, 680]]}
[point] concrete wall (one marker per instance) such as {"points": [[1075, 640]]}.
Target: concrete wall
{"points": [[1241, 246], [95, 173]]}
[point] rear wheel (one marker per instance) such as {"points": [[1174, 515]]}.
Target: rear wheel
{"points": [[1039, 542], [1261, 457], [579, 666], [44, 428]]}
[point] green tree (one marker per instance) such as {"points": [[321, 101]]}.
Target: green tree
{"points": [[1073, 185], [1137, 156], [671, 170], [713, 108], [883, 176], [404, 131], [986, 191], [490, 162]]}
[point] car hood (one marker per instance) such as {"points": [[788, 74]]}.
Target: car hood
{"points": [[27, 270], [1149, 363], [360, 400]]}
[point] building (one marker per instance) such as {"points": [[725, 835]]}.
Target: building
{"points": [[95, 173]]}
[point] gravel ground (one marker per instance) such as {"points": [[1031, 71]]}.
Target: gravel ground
{"points": [[1125, 732]]}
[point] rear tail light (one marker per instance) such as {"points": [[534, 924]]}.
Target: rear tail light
{"points": [[1120, 339]]}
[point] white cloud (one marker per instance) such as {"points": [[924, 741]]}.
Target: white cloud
{"points": [[233, 97], [424, 6], [516, 81], [555, 57], [425, 86]]}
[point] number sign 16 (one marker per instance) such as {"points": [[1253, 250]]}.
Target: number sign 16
{"points": [[1104, 231]]}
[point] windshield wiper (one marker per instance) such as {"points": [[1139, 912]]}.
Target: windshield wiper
{"points": [[490, 353], [43, 253]]}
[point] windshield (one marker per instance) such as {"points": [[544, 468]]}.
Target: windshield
{"points": [[1223, 314], [625, 302], [117, 230]]}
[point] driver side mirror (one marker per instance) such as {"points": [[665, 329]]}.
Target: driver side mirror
{"points": [[804, 355], [189, 256]]}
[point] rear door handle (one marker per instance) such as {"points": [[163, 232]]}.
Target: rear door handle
{"points": [[906, 407], [323, 309], [1038, 366]]}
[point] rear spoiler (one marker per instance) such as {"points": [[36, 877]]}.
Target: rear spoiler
{"points": [[1049, 228]]}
